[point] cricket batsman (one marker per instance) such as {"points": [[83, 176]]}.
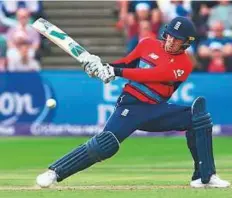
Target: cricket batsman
{"points": [[155, 69]]}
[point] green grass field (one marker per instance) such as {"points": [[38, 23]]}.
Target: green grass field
{"points": [[144, 167]]}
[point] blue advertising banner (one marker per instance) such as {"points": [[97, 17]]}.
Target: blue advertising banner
{"points": [[84, 104]]}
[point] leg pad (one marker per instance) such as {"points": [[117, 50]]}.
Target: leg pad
{"points": [[98, 148], [202, 127]]}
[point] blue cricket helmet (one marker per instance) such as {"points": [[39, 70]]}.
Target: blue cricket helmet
{"points": [[181, 28]]}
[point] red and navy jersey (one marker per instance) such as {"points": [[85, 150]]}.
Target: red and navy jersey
{"points": [[153, 74]]}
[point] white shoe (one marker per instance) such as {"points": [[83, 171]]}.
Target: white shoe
{"points": [[46, 179], [197, 183], [215, 182]]}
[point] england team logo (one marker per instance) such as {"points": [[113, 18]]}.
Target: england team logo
{"points": [[177, 25]]}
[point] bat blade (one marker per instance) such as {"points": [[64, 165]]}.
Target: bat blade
{"points": [[60, 38]]}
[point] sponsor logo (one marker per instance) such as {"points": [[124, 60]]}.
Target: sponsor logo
{"points": [[125, 112], [153, 56], [76, 49], [22, 100], [59, 35], [46, 24]]}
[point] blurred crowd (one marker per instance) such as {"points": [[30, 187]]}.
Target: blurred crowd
{"points": [[21, 47], [212, 51], [20, 44]]}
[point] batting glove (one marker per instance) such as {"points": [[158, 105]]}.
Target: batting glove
{"points": [[106, 73], [91, 64]]}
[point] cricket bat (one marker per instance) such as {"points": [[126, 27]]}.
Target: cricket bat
{"points": [[60, 38]]}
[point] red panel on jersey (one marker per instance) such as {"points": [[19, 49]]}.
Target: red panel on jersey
{"points": [[159, 71]]}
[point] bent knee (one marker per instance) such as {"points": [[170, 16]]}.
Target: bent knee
{"points": [[102, 146]]}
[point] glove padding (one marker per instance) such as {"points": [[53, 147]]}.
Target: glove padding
{"points": [[92, 68], [91, 64], [106, 73]]}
